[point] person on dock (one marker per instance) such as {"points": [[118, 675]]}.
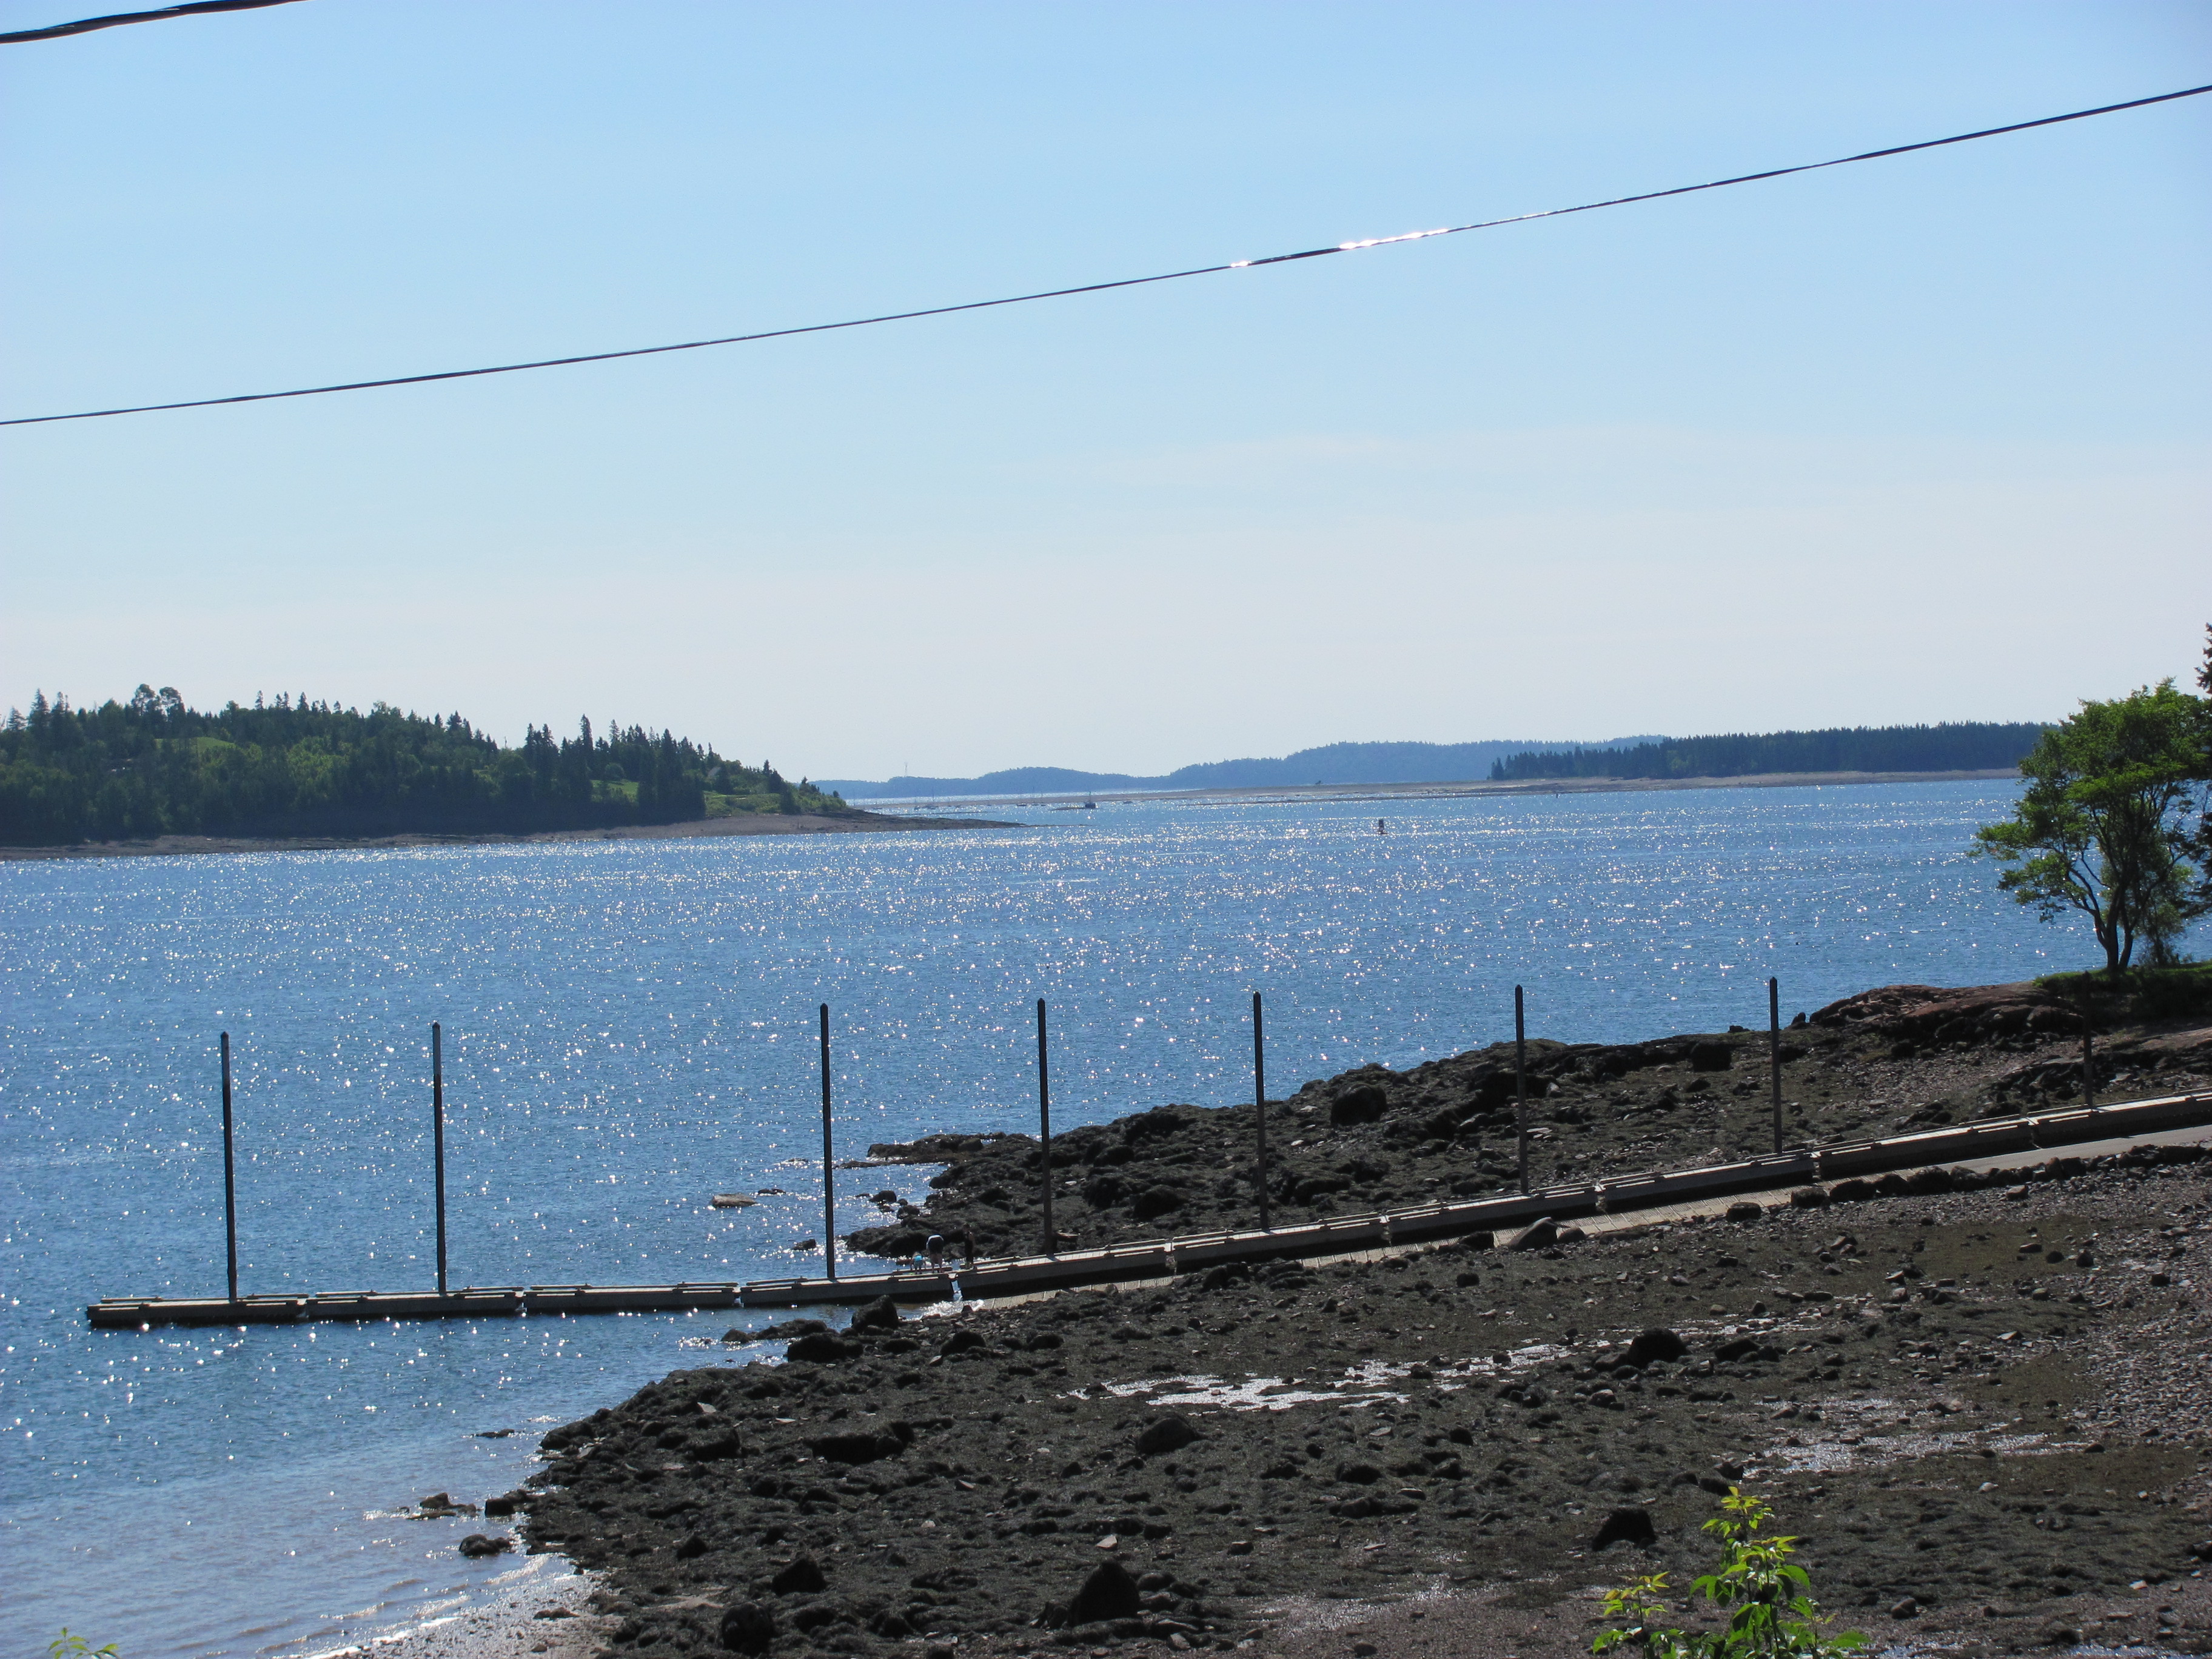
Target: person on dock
{"points": [[967, 1238], [936, 1248]]}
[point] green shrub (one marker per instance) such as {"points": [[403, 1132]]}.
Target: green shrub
{"points": [[2139, 993], [1773, 1615], [66, 1646]]}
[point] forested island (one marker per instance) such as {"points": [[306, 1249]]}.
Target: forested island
{"points": [[1961, 747], [152, 767]]}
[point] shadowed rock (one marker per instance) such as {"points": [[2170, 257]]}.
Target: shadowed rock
{"points": [[748, 1627], [1632, 1525], [802, 1577], [1166, 1434]]}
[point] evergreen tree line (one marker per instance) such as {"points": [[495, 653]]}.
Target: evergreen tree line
{"points": [[295, 767], [1963, 746]]}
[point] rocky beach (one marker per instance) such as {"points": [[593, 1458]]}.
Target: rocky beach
{"points": [[1979, 1400]]}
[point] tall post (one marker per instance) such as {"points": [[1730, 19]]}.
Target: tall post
{"points": [[2088, 1051], [1259, 1109], [1774, 1054], [829, 1168], [438, 1139], [1044, 1131], [229, 1180], [1520, 1084]]}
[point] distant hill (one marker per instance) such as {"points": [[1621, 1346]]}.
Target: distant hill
{"points": [[1335, 762], [1959, 746]]}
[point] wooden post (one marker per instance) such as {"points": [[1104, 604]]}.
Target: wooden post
{"points": [[829, 1168], [438, 1139], [1260, 1109], [1520, 1084], [1044, 1134], [1774, 1054], [229, 1179], [2089, 1050]]}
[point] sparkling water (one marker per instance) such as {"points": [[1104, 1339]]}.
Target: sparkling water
{"points": [[629, 1028]]}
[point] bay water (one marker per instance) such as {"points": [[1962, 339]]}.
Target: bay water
{"points": [[629, 1028]]}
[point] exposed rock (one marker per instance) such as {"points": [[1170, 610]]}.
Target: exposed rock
{"points": [[1166, 1434], [1358, 1474], [863, 1447], [1656, 1344], [782, 1331], [476, 1545], [1809, 1198], [748, 1627], [1538, 1235], [803, 1576], [1364, 1102], [1107, 1593], [881, 1314], [1712, 1055], [821, 1348], [1745, 1210], [1632, 1525]]}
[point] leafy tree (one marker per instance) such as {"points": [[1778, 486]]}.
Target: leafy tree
{"points": [[2103, 825]]}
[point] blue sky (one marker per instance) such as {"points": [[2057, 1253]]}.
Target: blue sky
{"points": [[1922, 439]]}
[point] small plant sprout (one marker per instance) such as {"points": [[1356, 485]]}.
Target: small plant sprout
{"points": [[1768, 1598], [66, 1646]]}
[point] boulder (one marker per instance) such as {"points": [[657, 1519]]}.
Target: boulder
{"points": [[1851, 1192], [1632, 1525], [507, 1503], [1537, 1236], [782, 1331], [1744, 1210], [1155, 1202], [1166, 1434], [881, 1314], [1710, 1054], [803, 1576], [1108, 1592], [477, 1545], [820, 1348], [1809, 1198], [863, 1448], [1364, 1102], [748, 1627], [1656, 1344]]}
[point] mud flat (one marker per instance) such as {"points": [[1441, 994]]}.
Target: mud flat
{"points": [[1983, 1405]]}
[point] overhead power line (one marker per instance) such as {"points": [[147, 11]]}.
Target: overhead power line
{"points": [[1104, 287], [86, 25]]}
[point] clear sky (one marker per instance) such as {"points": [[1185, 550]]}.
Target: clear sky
{"points": [[1917, 440]]}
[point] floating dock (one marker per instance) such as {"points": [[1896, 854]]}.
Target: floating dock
{"points": [[1163, 1258]]}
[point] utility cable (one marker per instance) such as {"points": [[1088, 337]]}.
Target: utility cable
{"points": [[86, 25], [1104, 287]]}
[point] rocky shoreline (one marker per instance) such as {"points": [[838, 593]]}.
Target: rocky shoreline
{"points": [[1886, 1061], [855, 822], [1982, 1405]]}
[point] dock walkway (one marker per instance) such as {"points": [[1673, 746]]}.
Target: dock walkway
{"points": [[1165, 1258]]}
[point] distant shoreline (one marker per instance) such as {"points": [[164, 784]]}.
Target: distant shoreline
{"points": [[751, 824], [1472, 786]]}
